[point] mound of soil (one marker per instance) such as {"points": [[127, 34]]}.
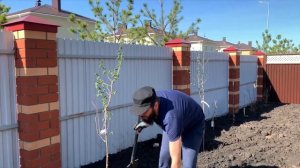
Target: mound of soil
{"points": [[267, 136]]}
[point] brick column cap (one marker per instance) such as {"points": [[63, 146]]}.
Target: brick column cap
{"points": [[178, 42], [31, 23], [230, 49], [259, 53]]}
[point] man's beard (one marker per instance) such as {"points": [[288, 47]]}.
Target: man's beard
{"points": [[150, 120]]}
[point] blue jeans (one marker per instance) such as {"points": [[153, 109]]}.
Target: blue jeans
{"points": [[191, 143]]}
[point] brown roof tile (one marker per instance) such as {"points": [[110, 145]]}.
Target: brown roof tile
{"points": [[47, 9], [198, 38], [224, 43], [243, 46]]}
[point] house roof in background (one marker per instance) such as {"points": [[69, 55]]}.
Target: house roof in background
{"points": [[122, 30], [154, 30], [243, 46], [31, 19], [49, 10], [224, 43], [195, 37]]}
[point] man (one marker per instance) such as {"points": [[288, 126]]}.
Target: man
{"points": [[181, 119]]}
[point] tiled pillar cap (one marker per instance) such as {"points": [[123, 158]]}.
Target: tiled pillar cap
{"points": [[178, 42], [31, 23], [230, 49], [259, 53]]}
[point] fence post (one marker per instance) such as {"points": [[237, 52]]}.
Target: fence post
{"points": [[181, 64], [260, 74], [234, 79], [37, 91]]}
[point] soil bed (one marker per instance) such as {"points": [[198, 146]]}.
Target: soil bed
{"points": [[267, 137]]}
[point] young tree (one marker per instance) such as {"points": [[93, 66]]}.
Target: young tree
{"points": [[166, 24], [105, 90], [107, 21], [106, 27], [277, 45], [201, 66], [3, 12]]}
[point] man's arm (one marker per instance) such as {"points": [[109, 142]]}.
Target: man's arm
{"points": [[175, 153]]}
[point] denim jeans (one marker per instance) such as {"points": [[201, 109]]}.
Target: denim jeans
{"points": [[191, 143]]}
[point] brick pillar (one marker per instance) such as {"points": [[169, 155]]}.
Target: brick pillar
{"points": [[234, 79], [260, 74], [37, 91], [181, 65]]}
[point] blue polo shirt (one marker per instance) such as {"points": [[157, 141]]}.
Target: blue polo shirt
{"points": [[178, 113]]}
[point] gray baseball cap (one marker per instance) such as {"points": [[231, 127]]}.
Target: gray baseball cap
{"points": [[142, 99]]}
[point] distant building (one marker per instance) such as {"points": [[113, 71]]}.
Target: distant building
{"points": [[153, 32], [53, 14], [199, 43], [246, 49], [221, 45]]}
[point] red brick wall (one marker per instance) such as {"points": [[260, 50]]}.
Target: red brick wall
{"points": [[181, 65], [37, 92], [234, 79], [260, 74]]}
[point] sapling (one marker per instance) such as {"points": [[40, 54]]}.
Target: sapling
{"points": [[213, 117], [201, 80], [201, 62], [244, 111], [105, 90], [252, 98]]}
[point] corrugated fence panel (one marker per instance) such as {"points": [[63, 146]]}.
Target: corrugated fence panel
{"points": [[78, 64], [248, 76], [283, 79], [216, 82], [9, 149]]}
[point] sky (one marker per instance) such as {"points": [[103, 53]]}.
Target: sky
{"points": [[237, 20]]}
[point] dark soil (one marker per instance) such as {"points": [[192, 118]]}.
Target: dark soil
{"points": [[147, 156], [267, 136]]}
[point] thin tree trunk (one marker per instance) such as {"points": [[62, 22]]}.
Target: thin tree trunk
{"points": [[106, 148], [106, 138]]}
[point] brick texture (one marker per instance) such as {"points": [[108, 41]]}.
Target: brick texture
{"points": [[32, 90], [234, 99], [181, 58], [234, 73], [26, 63], [181, 77], [47, 80], [27, 81], [37, 93], [234, 86], [234, 79]]}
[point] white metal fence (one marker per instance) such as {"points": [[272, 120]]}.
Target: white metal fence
{"points": [[78, 64], [215, 81], [9, 150], [143, 65], [283, 59], [248, 76]]}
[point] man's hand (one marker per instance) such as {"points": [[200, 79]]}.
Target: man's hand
{"points": [[140, 126]]}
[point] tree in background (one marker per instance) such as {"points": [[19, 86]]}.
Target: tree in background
{"points": [[107, 24], [166, 24], [277, 45], [3, 12], [107, 21]]}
